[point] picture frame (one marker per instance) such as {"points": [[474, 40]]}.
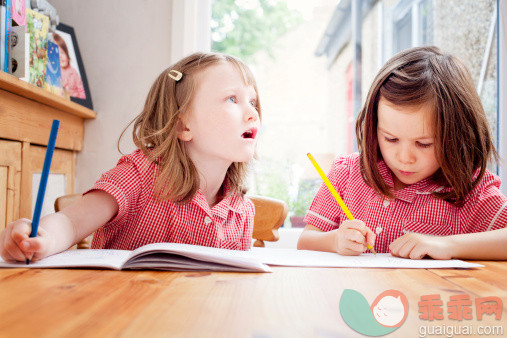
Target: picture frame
{"points": [[76, 75]]}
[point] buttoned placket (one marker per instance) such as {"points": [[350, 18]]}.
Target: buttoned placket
{"points": [[207, 220], [385, 203], [386, 212]]}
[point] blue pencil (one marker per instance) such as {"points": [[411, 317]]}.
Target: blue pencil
{"points": [[44, 179]]}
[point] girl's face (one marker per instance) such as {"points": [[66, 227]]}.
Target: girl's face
{"points": [[64, 59], [406, 139], [222, 123]]}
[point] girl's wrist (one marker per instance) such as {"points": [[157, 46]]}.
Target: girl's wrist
{"points": [[61, 234], [454, 247]]}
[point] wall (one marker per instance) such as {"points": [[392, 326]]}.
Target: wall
{"points": [[124, 45]]}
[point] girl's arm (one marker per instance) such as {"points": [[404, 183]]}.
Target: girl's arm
{"points": [[481, 245], [312, 238], [59, 231], [349, 239], [488, 245]]}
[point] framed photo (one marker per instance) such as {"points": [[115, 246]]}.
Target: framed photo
{"points": [[73, 72]]}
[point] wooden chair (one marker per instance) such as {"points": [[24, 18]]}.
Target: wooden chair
{"points": [[270, 214]]}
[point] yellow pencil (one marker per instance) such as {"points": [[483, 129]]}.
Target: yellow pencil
{"points": [[335, 193]]}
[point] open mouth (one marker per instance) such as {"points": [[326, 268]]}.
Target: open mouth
{"points": [[250, 133]]}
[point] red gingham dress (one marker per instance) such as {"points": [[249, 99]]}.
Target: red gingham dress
{"points": [[413, 209], [141, 220]]}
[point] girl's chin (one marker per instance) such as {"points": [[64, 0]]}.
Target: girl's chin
{"points": [[244, 159]]}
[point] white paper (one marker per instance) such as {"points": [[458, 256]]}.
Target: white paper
{"points": [[305, 258]]}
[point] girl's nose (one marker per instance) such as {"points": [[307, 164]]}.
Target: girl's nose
{"points": [[251, 114], [406, 155]]}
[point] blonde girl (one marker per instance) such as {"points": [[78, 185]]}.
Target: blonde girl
{"points": [[185, 183]]}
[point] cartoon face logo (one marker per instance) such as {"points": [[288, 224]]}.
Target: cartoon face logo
{"points": [[390, 308], [385, 315]]}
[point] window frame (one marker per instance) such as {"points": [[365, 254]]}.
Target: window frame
{"points": [[502, 92], [390, 17]]}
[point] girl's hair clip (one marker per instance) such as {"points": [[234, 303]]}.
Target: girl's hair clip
{"points": [[175, 75]]}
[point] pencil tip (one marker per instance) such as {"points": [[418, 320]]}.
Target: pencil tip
{"points": [[27, 261]]}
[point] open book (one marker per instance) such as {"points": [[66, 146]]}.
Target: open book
{"points": [[156, 256], [185, 257]]}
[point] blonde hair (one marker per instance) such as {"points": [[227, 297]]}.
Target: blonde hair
{"points": [[463, 142], [155, 129]]}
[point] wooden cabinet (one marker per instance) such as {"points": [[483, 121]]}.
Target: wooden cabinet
{"points": [[10, 179], [26, 114]]}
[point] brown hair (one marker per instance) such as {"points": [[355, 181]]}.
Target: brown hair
{"points": [[61, 43], [155, 129], [463, 143]]}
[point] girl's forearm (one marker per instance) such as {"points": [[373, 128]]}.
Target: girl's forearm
{"points": [[316, 239], [488, 245], [61, 230], [79, 220]]}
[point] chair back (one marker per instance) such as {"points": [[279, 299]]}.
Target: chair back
{"points": [[270, 213]]}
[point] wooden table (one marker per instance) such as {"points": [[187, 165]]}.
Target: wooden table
{"points": [[290, 302]]}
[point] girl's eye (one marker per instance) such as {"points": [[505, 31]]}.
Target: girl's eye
{"points": [[392, 140], [424, 145], [232, 99], [253, 103]]}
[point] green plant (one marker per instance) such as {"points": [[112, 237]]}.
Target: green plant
{"points": [[307, 190], [242, 29], [271, 180]]}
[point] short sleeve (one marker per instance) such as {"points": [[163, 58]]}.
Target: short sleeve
{"points": [[487, 208], [324, 212], [123, 182]]}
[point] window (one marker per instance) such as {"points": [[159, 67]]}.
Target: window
{"points": [[406, 24], [303, 68]]}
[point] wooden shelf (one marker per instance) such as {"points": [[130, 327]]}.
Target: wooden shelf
{"points": [[14, 85], [26, 114]]}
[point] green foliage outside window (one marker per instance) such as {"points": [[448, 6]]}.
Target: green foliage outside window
{"points": [[242, 28]]}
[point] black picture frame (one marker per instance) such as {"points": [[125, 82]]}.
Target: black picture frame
{"points": [[65, 31]]}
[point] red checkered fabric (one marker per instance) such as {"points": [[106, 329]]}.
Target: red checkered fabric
{"points": [[413, 209], [142, 220]]}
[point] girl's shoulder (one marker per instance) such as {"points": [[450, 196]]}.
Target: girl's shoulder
{"points": [[486, 191], [345, 163], [490, 178], [350, 160], [137, 156], [344, 169], [489, 181], [139, 160]]}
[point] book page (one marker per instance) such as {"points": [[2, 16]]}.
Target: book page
{"points": [[90, 258], [306, 258], [230, 260]]}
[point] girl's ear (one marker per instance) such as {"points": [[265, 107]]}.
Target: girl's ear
{"points": [[183, 132]]}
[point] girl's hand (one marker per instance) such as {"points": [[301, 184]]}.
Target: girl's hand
{"points": [[352, 238], [16, 245], [416, 246]]}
